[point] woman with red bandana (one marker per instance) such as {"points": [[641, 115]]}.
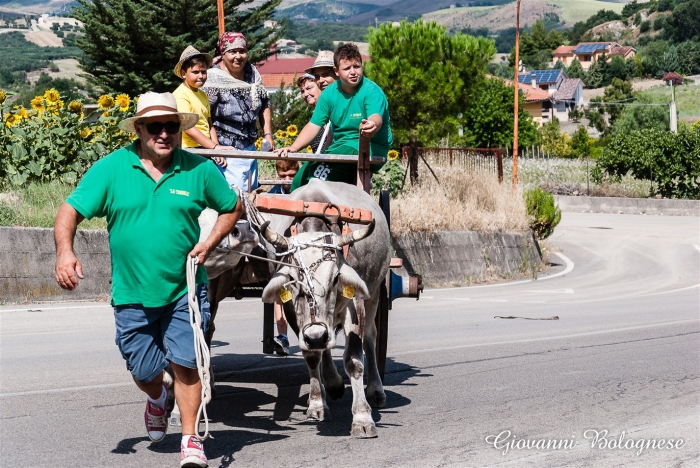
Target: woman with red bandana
{"points": [[238, 100]]}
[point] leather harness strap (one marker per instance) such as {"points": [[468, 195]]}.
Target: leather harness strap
{"points": [[296, 208]]}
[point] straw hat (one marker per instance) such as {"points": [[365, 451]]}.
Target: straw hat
{"points": [[324, 59], [154, 105], [188, 53]]}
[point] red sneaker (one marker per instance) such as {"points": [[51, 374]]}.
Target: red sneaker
{"points": [[192, 454], [156, 420]]}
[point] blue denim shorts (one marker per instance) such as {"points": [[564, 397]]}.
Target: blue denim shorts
{"points": [[148, 337]]}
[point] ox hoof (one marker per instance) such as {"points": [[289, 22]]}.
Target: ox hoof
{"points": [[336, 392], [319, 414], [376, 398], [364, 430], [174, 420]]}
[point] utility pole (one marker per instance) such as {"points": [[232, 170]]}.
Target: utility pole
{"points": [[517, 95], [674, 118], [220, 12]]}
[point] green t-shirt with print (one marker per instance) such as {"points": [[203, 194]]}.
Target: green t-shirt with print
{"points": [[152, 225], [346, 111]]}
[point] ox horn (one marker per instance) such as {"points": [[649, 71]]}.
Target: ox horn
{"points": [[272, 237], [354, 236]]}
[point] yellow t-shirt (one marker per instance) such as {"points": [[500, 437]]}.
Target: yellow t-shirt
{"points": [[195, 102]]}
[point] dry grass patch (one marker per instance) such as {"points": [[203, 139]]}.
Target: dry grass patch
{"points": [[460, 201]]}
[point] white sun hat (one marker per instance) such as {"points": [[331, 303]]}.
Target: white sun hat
{"points": [[157, 104], [323, 59]]}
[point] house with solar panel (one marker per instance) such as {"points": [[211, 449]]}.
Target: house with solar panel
{"points": [[588, 52], [564, 93]]}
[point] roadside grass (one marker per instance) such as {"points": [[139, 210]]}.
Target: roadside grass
{"points": [[458, 201], [36, 205], [687, 98], [571, 177]]}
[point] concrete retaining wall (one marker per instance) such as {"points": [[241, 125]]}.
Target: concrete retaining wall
{"points": [[28, 258], [649, 206], [463, 257]]}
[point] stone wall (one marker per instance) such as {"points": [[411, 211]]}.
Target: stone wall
{"points": [[648, 206], [462, 257], [28, 257]]}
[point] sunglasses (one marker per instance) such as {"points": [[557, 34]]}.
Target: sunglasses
{"points": [[156, 128]]}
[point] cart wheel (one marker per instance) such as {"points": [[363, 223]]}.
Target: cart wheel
{"points": [[382, 318]]}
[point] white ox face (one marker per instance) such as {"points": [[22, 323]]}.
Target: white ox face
{"points": [[331, 278]]}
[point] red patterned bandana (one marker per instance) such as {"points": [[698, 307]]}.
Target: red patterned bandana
{"points": [[228, 41]]}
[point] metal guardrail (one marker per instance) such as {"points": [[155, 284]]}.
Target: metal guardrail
{"points": [[476, 159]]}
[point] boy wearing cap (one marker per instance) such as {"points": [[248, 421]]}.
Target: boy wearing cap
{"points": [[322, 69], [353, 105], [152, 193], [192, 68]]}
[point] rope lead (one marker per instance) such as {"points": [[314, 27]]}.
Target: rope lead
{"points": [[200, 348]]}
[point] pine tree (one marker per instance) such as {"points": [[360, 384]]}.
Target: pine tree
{"points": [[131, 46], [575, 70]]}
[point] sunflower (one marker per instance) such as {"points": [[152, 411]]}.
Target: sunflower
{"points": [[105, 102], [22, 112], [38, 103], [292, 130], [11, 119], [86, 132], [393, 155], [2, 96], [258, 146], [309, 149], [123, 101], [76, 107], [280, 134], [52, 95]]}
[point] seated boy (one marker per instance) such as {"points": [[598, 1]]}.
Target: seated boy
{"points": [[286, 170], [353, 105], [192, 68]]}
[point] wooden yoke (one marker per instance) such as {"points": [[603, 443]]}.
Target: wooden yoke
{"points": [[297, 208], [364, 176]]}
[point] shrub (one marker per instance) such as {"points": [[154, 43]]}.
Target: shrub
{"points": [[675, 78], [659, 22], [543, 215], [644, 27], [56, 141], [670, 160]]}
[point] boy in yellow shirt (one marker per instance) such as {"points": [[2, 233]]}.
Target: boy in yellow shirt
{"points": [[192, 68]]}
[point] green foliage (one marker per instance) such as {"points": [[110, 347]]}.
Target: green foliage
{"points": [[487, 119], [543, 214], [642, 116], [644, 27], [54, 141], [21, 56], [618, 68], [576, 34], [684, 23], [8, 216], [289, 108], [603, 116], [575, 70], [659, 22], [67, 87], [536, 46], [670, 160], [307, 32], [580, 143], [553, 141], [427, 76], [637, 19], [131, 46], [390, 177]]}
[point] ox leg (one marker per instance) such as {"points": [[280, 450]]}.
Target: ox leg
{"points": [[375, 390], [332, 381], [362, 423], [318, 409], [174, 419]]}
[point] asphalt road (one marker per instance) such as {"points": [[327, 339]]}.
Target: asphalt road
{"points": [[623, 356]]}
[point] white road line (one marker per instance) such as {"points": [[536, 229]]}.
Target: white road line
{"points": [[568, 269], [552, 291], [547, 338], [697, 246], [66, 389]]}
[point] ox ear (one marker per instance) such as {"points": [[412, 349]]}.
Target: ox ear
{"points": [[272, 291], [349, 277]]}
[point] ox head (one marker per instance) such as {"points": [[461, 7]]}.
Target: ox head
{"points": [[321, 292]]}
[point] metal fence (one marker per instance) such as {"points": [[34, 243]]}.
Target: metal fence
{"points": [[473, 159]]}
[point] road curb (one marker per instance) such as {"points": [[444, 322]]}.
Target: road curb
{"points": [[619, 205]]}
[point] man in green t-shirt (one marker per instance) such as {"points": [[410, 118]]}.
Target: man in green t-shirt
{"points": [[353, 105], [152, 193]]}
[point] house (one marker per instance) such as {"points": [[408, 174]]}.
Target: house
{"points": [[588, 52], [538, 102], [564, 92], [274, 71]]}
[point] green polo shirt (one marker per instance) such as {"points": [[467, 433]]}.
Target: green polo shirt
{"points": [[152, 225]]}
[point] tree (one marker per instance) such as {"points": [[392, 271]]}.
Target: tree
{"points": [[575, 70], [614, 98], [553, 141], [536, 46], [427, 75], [642, 116], [684, 23], [618, 68], [131, 46], [580, 143], [487, 119]]}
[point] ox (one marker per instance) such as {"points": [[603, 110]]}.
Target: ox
{"points": [[328, 293]]}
